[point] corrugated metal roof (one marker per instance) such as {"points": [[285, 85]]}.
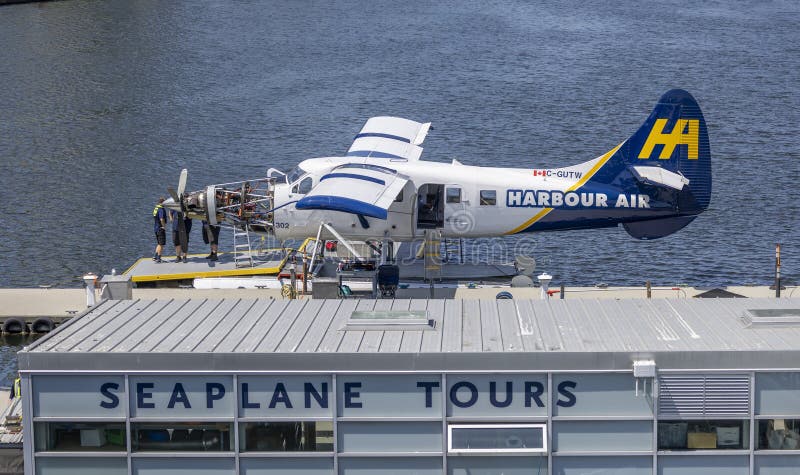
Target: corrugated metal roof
{"points": [[485, 327]]}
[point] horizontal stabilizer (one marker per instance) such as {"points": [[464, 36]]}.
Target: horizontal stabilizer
{"points": [[657, 228], [660, 176]]}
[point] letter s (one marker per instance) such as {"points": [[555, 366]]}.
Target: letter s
{"points": [[564, 390], [113, 398]]}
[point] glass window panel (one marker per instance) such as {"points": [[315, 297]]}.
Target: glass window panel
{"points": [[488, 197], [389, 395], [390, 437], [304, 186], [602, 435], [703, 435], [181, 436], [453, 195], [598, 395], [306, 436], [777, 464], [286, 466], [458, 465], [391, 466], [294, 174], [81, 465], [603, 465], [80, 436], [705, 465], [506, 395], [778, 434], [497, 438], [78, 396], [183, 466], [778, 394]]}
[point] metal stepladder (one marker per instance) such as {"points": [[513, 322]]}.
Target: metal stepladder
{"points": [[242, 249], [432, 258], [453, 250]]}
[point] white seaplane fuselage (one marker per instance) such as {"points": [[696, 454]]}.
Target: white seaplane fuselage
{"points": [[472, 201]]}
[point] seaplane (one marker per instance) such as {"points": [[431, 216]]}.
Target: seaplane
{"points": [[652, 184]]}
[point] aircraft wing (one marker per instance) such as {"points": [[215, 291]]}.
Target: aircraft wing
{"points": [[390, 137], [367, 190]]}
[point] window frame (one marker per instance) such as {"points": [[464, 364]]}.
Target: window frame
{"points": [[447, 197], [743, 425], [484, 202], [44, 425], [451, 450], [243, 437], [137, 425], [296, 186]]}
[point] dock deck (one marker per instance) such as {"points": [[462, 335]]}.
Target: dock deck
{"points": [[10, 421], [147, 270]]}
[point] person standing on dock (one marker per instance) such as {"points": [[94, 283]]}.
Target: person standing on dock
{"points": [[175, 217], [16, 389], [211, 236], [160, 228]]}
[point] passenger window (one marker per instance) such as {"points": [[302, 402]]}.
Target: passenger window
{"points": [[453, 195], [488, 197], [304, 186]]}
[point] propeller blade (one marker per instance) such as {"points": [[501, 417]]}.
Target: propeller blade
{"points": [[182, 181], [174, 195]]}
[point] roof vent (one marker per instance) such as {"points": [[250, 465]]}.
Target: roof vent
{"points": [[771, 317], [390, 320]]}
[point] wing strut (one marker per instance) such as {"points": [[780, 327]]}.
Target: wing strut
{"points": [[340, 238]]}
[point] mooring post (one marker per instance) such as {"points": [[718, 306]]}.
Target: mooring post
{"points": [[561, 291], [544, 280], [293, 275], [305, 274], [777, 270], [649, 289], [89, 281]]}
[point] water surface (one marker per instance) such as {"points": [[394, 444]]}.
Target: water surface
{"points": [[104, 102]]}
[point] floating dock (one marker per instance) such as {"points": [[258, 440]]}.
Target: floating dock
{"points": [[276, 262], [147, 271], [62, 304]]}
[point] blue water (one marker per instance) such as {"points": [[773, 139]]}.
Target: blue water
{"points": [[103, 103]]}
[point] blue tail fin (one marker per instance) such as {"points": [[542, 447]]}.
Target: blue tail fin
{"points": [[669, 160], [675, 138]]}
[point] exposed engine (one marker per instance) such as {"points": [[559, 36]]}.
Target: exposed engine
{"points": [[238, 204]]}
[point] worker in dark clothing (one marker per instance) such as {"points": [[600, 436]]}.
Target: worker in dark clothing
{"points": [[211, 236], [174, 216], [160, 228], [16, 389]]}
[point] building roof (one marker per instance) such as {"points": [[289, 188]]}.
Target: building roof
{"points": [[480, 335]]}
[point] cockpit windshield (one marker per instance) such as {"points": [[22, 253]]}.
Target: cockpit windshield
{"points": [[294, 174]]}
